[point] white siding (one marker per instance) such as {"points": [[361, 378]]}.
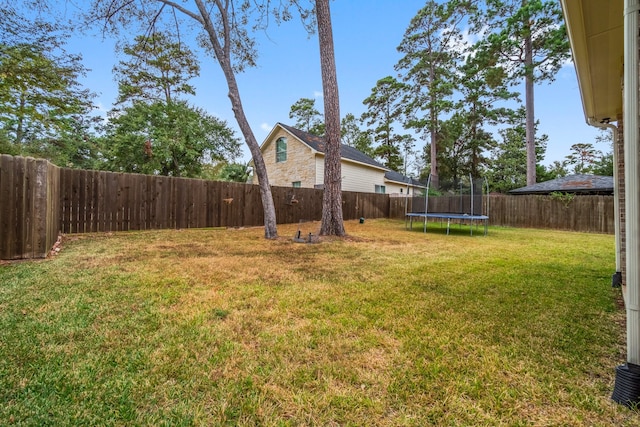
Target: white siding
{"points": [[394, 188], [360, 178], [319, 169], [355, 177]]}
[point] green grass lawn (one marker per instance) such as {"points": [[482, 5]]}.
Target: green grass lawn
{"points": [[388, 327]]}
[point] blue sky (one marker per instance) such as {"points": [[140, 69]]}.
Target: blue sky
{"points": [[366, 34]]}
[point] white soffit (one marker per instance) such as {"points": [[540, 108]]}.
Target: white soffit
{"points": [[595, 30]]}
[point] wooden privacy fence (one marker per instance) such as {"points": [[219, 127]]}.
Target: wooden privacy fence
{"points": [[590, 214], [39, 200], [29, 207], [104, 201]]}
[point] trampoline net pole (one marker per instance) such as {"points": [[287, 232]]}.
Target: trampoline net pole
{"points": [[426, 204]]}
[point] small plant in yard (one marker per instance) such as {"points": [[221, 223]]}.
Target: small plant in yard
{"points": [[386, 327]]}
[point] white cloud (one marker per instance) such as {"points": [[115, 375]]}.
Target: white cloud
{"points": [[100, 107], [317, 94], [266, 127]]}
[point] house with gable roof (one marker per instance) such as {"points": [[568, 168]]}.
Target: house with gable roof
{"points": [[295, 158]]}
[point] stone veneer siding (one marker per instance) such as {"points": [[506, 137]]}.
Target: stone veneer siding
{"points": [[299, 166]]}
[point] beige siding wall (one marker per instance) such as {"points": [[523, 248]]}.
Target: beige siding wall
{"points": [[319, 162], [397, 189], [355, 177], [299, 165]]}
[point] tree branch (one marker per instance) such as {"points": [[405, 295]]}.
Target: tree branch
{"points": [[183, 10]]}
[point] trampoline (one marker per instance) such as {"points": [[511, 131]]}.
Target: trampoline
{"points": [[461, 218], [466, 208]]}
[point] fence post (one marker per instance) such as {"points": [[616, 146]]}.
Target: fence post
{"points": [[28, 207]]}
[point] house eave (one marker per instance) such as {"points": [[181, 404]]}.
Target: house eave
{"points": [[596, 35], [404, 183], [355, 162]]}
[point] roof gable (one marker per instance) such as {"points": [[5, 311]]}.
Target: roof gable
{"points": [[318, 144]]}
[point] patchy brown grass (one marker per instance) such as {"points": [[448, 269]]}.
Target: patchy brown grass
{"points": [[385, 327]]}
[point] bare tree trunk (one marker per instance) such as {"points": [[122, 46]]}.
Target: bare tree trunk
{"points": [[20, 128], [332, 219], [270, 227], [223, 54], [435, 179], [529, 112]]}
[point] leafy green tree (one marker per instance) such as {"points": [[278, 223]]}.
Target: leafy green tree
{"points": [[234, 172], [604, 164], [508, 169], [78, 145], [462, 149], [384, 108], [431, 55], [528, 39], [583, 157], [482, 98], [307, 117], [161, 139], [355, 137], [41, 99], [407, 144], [225, 30], [157, 133], [557, 169], [156, 68]]}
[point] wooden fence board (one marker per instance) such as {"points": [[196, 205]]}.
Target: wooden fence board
{"points": [[52, 208], [37, 233], [20, 183], [38, 200], [31, 198], [200, 207], [6, 179], [25, 230]]}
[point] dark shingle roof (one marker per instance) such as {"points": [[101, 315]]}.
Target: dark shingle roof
{"points": [[317, 143], [591, 184], [398, 177]]}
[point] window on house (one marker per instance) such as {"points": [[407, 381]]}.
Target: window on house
{"points": [[281, 149], [297, 184], [380, 189]]}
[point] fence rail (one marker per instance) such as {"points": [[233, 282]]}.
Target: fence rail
{"points": [[39, 200]]}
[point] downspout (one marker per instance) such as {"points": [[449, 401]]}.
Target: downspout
{"points": [[617, 277], [627, 385]]}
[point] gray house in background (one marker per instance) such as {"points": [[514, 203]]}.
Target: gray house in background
{"points": [[575, 184]]}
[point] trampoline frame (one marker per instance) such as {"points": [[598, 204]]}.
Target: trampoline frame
{"points": [[449, 216]]}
